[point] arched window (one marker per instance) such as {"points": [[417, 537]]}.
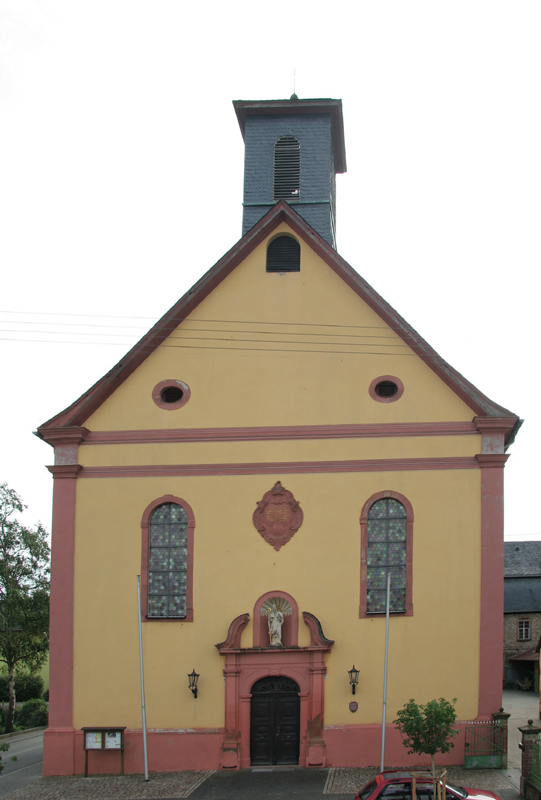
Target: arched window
{"points": [[284, 255], [167, 560], [386, 533], [287, 168]]}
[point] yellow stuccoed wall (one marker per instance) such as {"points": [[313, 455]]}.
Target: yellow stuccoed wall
{"points": [[233, 565]]}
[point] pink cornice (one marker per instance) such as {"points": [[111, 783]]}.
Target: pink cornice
{"points": [[234, 633], [494, 424], [318, 640], [289, 467], [283, 432], [317, 637], [492, 460], [64, 436], [65, 470]]}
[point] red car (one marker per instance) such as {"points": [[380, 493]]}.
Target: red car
{"points": [[397, 785]]}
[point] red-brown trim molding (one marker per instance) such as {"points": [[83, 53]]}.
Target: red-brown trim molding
{"points": [[167, 498], [171, 383], [491, 460], [277, 467], [495, 432], [65, 471], [492, 553], [394, 397], [66, 443], [54, 436], [409, 552], [58, 744], [284, 432]]}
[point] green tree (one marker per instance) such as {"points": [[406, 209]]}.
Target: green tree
{"points": [[24, 593], [428, 729]]}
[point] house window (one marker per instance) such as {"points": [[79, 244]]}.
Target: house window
{"points": [[167, 560], [287, 168], [284, 255], [386, 548], [523, 630]]}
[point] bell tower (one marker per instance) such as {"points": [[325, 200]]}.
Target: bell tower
{"points": [[293, 150]]}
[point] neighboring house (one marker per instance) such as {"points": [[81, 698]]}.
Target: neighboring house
{"points": [[522, 609], [275, 446]]}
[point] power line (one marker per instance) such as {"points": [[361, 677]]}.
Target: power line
{"points": [[221, 321], [175, 326], [200, 347], [219, 339]]}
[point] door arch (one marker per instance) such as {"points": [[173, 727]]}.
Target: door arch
{"points": [[274, 721]]}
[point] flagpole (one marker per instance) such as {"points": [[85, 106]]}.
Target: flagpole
{"points": [[143, 710], [382, 763]]}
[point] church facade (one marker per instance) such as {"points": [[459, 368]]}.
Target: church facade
{"points": [[279, 443]]}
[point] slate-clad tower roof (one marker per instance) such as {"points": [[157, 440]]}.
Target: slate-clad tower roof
{"points": [[291, 135], [522, 560], [522, 570]]}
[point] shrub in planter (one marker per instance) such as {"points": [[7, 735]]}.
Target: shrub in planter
{"points": [[32, 714]]}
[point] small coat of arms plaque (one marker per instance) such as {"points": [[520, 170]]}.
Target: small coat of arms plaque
{"points": [[278, 516]]}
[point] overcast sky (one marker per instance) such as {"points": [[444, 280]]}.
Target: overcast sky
{"points": [[120, 151]]}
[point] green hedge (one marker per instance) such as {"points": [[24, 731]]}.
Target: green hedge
{"points": [[32, 714], [27, 687]]}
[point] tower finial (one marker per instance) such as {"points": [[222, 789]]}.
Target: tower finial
{"points": [[294, 95]]}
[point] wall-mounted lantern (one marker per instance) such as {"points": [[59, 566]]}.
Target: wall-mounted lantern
{"points": [[353, 678], [193, 677]]}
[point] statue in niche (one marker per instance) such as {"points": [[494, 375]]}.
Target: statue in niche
{"points": [[275, 609]]}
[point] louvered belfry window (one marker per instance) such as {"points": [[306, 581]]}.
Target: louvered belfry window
{"points": [[284, 255], [287, 168]]}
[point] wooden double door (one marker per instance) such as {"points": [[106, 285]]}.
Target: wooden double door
{"points": [[275, 722]]}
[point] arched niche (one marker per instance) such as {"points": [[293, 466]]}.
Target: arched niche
{"points": [[290, 627]]}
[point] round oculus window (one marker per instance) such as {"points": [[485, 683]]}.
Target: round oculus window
{"points": [[386, 389], [171, 394], [382, 389]]}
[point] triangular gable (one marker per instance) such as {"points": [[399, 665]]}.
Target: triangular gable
{"points": [[88, 403]]}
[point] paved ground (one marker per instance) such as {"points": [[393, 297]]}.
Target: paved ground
{"points": [[269, 784], [522, 706], [28, 749], [265, 783]]}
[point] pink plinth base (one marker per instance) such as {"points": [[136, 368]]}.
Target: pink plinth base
{"points": [[58, 752], [317, 756], [172, 751], [168, 751], [360, 746]]}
